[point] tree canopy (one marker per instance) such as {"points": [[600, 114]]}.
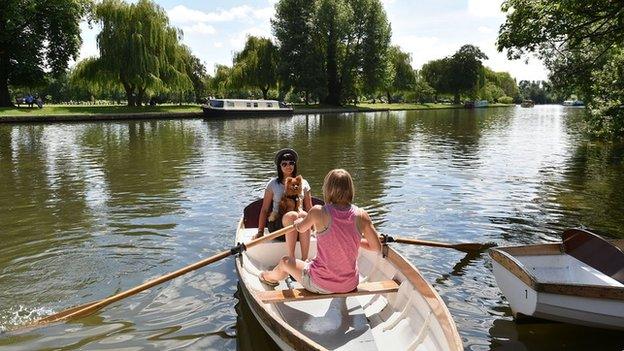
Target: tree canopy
{"points": [[461, 73], [339, 45], [35, 37], [580, 43], [256, 65], [138, 49]]}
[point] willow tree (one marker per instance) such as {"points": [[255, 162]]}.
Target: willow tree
{"points": [[399, 74], [35, 37], [256, 65], [138, 50]]}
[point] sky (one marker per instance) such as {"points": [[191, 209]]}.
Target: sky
{"points": [[428, 30]]}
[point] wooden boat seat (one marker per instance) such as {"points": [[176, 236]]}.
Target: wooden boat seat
{"points": [[287, 295]]}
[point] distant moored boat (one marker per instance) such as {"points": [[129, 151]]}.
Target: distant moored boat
{"points": [[573, 103], [527, 103], [476, 104], [243, 107]]}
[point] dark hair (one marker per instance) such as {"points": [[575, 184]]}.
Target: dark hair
{"points": [[286, 157]]}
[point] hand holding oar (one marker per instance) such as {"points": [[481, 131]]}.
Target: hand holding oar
{"points": [[464, 247], [89, 308]]}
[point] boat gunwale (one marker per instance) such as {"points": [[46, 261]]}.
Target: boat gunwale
{"points": [[505, 256], [299, 341]]}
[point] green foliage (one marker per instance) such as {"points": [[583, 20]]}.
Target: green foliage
{"points": [[138, 50], [539, 91], [196, 71], [332, 49], [399, 74], [35, 37], [256, 65], [466, 71], [300, 65], [437, 74], [506, 100], [462, 73], [579, 42]]}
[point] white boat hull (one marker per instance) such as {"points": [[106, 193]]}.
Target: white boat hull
{"points": [[414, 318], [525, 301]]}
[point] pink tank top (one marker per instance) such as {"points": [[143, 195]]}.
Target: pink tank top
{"points": [[335, 266]]}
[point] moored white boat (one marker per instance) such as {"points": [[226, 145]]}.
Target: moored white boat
{"points": [[394, 308], [579, 281], [216, 108]]}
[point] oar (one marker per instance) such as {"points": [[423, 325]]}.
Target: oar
{"points": [[89, 308], [464, 247]]}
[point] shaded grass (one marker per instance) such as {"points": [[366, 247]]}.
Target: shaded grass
{"points": [[48, 110]]}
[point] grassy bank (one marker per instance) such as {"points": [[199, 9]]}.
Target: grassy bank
{"points": [[404, 106], [392, 107], [49, 110], [95, 110]]}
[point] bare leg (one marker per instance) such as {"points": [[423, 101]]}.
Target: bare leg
{"points": [[285, 267], [291, 236], [304, 239]]}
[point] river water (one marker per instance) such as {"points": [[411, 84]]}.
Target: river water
{"points": [[91, 209]]}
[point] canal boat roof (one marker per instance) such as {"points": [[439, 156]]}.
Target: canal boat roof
{"points": [[245, 104]]}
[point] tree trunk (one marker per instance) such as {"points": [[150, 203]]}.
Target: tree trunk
{"points": [[129, 93], [388, 96], [140, 96], [5, 97], [265, 92], [307, 98], [333, 85], [456, 100]]}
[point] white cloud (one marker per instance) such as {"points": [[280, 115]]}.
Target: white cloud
{"points": [[199, 28], [218, 44], [424, 49], [485, 8], [237, 41], [182, 14]]}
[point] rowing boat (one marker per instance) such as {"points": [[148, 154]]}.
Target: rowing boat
{"points": [[393, 308], [578, 281]]}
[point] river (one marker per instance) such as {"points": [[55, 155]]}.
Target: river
{"points": [[91, 209]]}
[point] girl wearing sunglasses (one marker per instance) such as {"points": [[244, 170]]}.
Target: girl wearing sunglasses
{"points": [[286, 163]]}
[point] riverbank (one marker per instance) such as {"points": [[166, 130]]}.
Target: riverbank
{"points": [[62, 113]]}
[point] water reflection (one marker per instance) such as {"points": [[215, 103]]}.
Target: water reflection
{"points": [[89, 209]]}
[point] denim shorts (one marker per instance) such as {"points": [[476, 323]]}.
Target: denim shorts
{"points": [[309, 285]]}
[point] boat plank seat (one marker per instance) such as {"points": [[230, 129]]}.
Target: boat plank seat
{"points": [[288, 295]]}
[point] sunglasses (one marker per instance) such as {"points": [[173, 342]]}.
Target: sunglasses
{"points": [[287, 163]]}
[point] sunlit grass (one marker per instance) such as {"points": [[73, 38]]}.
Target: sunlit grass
{"points": [[48, 110]]}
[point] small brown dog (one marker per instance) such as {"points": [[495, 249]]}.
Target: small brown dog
{"points": [[291, 200]]}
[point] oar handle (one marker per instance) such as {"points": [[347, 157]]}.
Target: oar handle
{"points": [[87, 309]]}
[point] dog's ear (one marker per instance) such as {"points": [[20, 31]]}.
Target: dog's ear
{"points": [[299, 178], [288, 180]]}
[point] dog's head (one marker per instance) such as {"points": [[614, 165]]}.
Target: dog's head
{"points": [[293, 185]]}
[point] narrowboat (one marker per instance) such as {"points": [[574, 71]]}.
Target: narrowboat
{"points": [[219, 108]]}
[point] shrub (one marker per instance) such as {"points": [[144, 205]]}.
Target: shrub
{"points": [[505, 100]]}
